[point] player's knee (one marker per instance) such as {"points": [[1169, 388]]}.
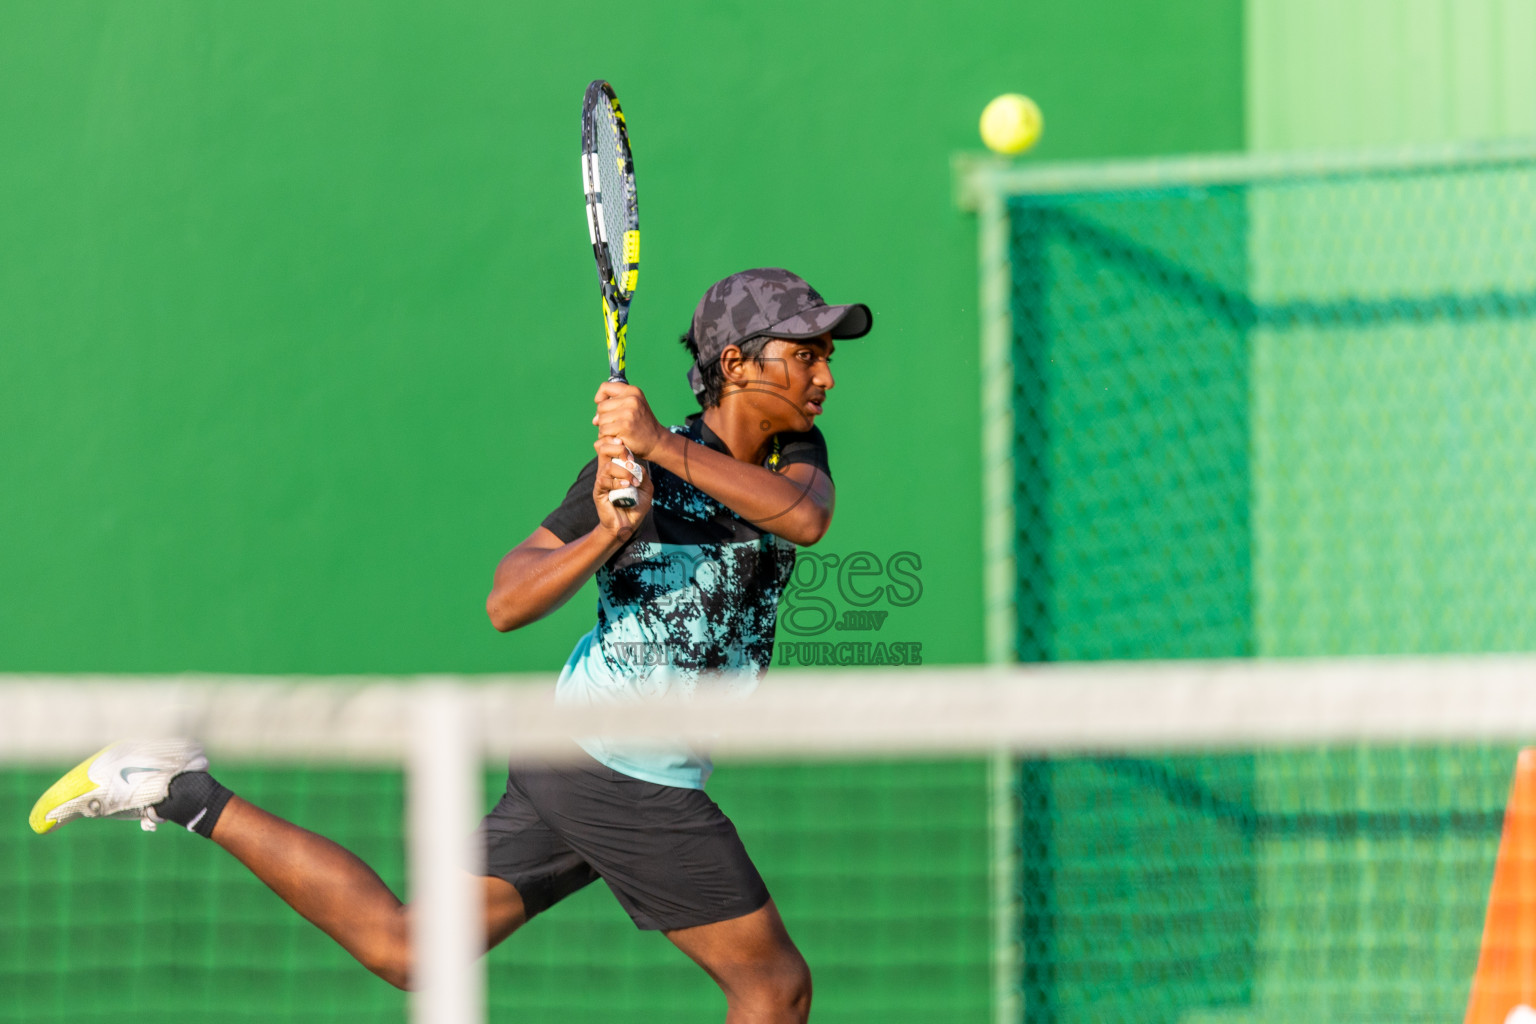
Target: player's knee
{"points": [[784, 991], [796, 991], [390, 961], [397, 974]]}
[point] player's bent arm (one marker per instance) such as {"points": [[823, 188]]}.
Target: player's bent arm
{"points": [[541, 574], [795, 503]]}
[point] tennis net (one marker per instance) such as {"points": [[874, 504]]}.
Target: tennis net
{"points": [[1207, 841]]}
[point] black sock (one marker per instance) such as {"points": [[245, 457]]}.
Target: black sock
{"points": [[196, 801]]}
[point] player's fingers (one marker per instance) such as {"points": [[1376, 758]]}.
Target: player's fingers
{"points": [[611, 389], [609, 478], [618, 426], [617, 473], [631, 469], [609, 408], [608, 447], [617, 460], [611, 403]]}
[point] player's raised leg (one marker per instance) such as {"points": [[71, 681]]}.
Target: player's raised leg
{"points": [[337, 892], [756, 965], [166, 781]]}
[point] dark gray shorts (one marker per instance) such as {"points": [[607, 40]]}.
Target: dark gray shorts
{"points": [[670, 855]]}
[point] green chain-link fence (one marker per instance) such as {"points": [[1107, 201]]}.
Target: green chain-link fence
{"points": [[1265, 407]]}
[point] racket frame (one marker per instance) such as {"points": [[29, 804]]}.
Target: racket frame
{"points": [[615, 283]]}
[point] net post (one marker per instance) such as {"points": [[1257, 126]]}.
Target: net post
{"points": [[998, 565], [1000, 578], [1004, 868], [447, 919]]}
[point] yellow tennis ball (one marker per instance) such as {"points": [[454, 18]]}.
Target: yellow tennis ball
{"points": [[1011, 123]]}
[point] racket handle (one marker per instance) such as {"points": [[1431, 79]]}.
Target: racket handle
{"points": [[625, 497], [621, 497]]}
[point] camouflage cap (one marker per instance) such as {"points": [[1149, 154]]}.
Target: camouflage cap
{"points": [[768, 302]]}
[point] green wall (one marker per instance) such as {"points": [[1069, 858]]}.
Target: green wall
{"points": [[1322, 74], [299, 326], [1427, 550]]}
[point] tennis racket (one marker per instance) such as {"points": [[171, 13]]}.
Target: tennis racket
{"points": [[613, 221]]}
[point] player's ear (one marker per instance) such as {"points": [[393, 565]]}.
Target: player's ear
{"points": [[733, 365]]}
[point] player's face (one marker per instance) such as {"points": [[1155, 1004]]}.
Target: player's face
{"points": [[807, 376]]}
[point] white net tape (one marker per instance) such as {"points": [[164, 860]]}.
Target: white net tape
{"points": [[1050, 708]]}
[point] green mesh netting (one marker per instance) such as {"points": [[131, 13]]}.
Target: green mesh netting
{"points": [[879, 869], [1286, 417], [1288, 886]]}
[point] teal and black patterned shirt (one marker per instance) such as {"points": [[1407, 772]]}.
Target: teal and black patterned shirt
{"points": [[691, 601]]}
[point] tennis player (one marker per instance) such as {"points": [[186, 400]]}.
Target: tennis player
{"points": [[688, 587]]}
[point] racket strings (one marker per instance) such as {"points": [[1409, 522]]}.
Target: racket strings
{"points": [[615, 188]]}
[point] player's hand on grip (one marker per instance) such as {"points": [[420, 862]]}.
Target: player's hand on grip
{"points": [[623, 412], [616, 468]]}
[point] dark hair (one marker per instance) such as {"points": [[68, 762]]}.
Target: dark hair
{"points": [[714, 377]]}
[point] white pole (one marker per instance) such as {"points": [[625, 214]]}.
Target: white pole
{"points": [[448, 916], [1007, 961], [1000, 581], [1000, 577]]}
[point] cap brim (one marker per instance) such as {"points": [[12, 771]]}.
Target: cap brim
{"points": [[852, 321]]}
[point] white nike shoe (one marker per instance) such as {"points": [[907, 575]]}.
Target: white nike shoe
{"points": [[124, 780]]}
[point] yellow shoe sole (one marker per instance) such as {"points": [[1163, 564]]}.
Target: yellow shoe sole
{"points": [[75, 783]]}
